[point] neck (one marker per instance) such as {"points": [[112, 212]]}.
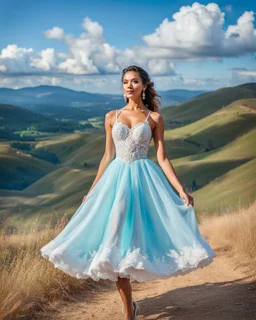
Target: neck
{"points": [[136, 105]]}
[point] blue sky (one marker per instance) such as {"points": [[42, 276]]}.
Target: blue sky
{"points": [[84, 45]]}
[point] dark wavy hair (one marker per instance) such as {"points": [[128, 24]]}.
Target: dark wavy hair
{"points": [[152, 99]]}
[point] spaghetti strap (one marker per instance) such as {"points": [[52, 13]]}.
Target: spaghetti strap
{"points": [[116, 115], [148, 115]]}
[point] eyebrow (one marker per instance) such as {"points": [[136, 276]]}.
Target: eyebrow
{"points": [[132, 79]]}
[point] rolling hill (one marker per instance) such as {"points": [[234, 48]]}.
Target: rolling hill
{"points": [[64, 103], [14, 118], [233, 189], [19, 170], [220, 127], [205, 104], [205, 167]]}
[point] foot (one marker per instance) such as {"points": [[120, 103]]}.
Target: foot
{"points": [[135, 307]]}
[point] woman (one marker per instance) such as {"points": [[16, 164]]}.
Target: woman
{"points": [[132, 225]]}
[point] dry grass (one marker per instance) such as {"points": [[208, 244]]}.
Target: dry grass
{"points": [[31, 285], [235, 232]]}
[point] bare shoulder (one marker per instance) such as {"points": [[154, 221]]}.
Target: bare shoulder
{"points": [[110, 117], [157, 117]]}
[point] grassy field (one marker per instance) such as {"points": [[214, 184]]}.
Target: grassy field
{"points": [[206, 104], [56, 194], [205, 167], [220, 127], [234, 189]]}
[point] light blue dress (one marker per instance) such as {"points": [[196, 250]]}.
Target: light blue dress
{"points": [[132, 224]]}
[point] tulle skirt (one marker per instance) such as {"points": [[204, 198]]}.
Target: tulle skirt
{"points": [[132, 225]]}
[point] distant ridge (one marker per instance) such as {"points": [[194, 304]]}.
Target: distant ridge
{"points": [[205, 104], [60, 102], [14, 117]]}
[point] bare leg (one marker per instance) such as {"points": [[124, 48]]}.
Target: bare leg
{"points": [[125, 289]]}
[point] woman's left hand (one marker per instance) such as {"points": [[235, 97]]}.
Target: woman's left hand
{"points": [[187, 197]]}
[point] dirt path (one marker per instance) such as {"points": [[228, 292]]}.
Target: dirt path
{"points": [[219, 291]]}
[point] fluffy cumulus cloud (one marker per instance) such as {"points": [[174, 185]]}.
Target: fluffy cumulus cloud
{"points": [[161, 66], [196, 32], [55, 33], [90, 53], [87, 54], [15, 60], [241, 38], [45, 60], [194, 28]]}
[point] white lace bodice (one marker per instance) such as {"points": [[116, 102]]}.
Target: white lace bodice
{"points": [[131, 143]]}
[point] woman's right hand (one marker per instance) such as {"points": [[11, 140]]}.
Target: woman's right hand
{"points": [[84, 198]]}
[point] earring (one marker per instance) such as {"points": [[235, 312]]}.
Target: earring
{"points": [[124, 97], [143, 95]]}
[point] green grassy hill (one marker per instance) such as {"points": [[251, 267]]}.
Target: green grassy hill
{"points": [[60, 180], [76, 149], [205, 104], [207, 166], [235, 188], [64, 145], [18, 170], [14, 118], [57, 193], [220, 127]]}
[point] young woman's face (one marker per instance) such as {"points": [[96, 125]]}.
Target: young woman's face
{"points": [[132, 84]]}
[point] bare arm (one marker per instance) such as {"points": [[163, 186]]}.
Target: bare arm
{"points": [[109, 153], [164, 162]]}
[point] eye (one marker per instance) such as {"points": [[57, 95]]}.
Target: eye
{"points": [[136, 81]]}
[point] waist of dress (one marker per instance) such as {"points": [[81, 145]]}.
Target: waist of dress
{"points": [[131, 158]]}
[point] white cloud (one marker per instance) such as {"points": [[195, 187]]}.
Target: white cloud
{"points": [[241, 38], [247, 73], [160, 67], [243, 75], [45, 60], [54, 33], [3, 68], [190, 82], [193, 28], [13, 52], [90, 53], [4, 82], [195, 34], [93, 28], [15, 59]]}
